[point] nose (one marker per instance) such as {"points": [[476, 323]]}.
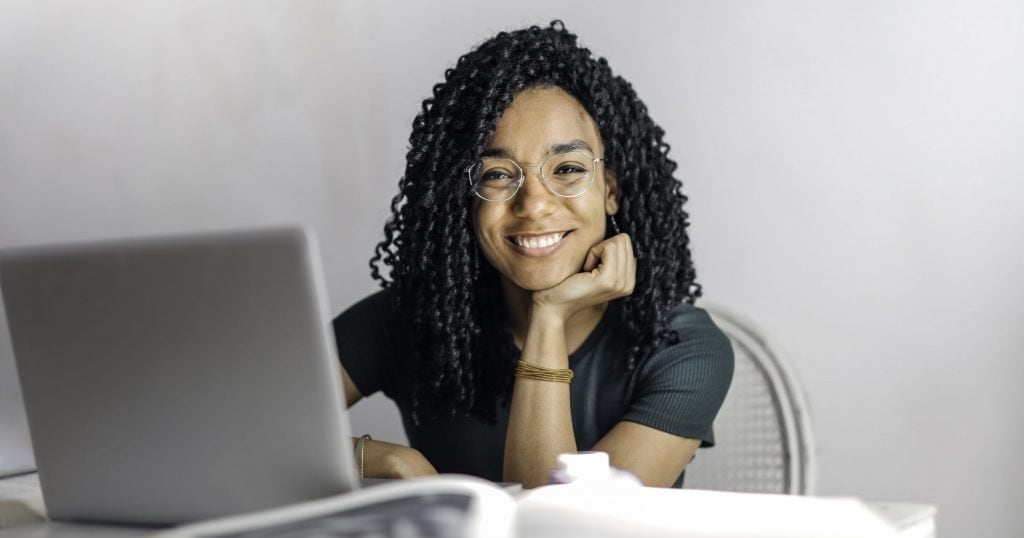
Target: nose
{"points": [[533, 201]]}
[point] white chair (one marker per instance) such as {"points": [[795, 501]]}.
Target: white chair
{"points": [[763, 438]]}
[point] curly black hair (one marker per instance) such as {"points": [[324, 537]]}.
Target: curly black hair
{"points": [[461, 355]]}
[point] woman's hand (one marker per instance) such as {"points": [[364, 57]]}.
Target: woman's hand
{"points": [[609, 272], [388, 460]]}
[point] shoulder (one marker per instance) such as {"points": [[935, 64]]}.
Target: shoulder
{"points": [[376, 306], [369, 338], [373, 318], [694, 326], [687, 316], [681, 386], [700, 348]]}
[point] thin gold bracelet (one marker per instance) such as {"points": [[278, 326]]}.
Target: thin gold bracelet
{"points": [[532, 371], [361, 453]]}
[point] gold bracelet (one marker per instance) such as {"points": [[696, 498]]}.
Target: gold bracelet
{"points": [[532, 371], [361, 453]]}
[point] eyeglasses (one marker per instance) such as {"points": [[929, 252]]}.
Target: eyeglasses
{"points": [[564, 174]]}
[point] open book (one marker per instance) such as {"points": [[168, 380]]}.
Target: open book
{"points": [[466, 506], [449, 505]]}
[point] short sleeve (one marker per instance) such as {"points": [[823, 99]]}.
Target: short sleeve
{"points": [[366, 342], [681, 387]]}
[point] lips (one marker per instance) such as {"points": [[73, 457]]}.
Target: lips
{"points": [[537, 244], [537, 241]]}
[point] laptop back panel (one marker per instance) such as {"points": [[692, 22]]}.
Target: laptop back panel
{"points": [[15, 447], [177, 379]]}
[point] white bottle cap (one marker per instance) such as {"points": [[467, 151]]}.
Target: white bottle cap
{"points": [[585, 465]]}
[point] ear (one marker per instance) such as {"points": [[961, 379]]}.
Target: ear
{"points": [[611, 193]]}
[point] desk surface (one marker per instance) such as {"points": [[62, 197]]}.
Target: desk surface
{"points": [[22, 509]]}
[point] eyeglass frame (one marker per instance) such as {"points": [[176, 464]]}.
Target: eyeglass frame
{"points": [[522, 175]]}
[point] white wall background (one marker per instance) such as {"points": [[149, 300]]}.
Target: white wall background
{"points": [[856, 174]]}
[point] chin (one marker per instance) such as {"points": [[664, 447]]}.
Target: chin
{"points": [[539, 282], [537, 285]]}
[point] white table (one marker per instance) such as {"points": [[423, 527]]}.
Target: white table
{"points": [[560, 512]]}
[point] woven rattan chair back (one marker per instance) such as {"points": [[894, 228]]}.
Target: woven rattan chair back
{"points": [[763, 440]]}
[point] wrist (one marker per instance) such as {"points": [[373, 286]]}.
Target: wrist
{"points": [[546, 315], [544, 343]]}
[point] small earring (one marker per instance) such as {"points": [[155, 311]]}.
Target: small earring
{"points": [[615, 225]]}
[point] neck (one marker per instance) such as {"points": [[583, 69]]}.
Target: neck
{"points": [[518, 303]]}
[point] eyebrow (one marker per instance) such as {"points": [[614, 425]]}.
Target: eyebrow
{"points": [[555, 149]]}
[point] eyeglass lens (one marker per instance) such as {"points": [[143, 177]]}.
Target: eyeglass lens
{"points": [[565, 174]]}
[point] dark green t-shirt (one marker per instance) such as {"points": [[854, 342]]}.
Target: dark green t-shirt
{"points": [[678, 389]]}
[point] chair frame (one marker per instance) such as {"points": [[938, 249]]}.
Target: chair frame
{"points": [[791, 405]]}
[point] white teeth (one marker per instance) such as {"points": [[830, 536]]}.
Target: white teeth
{"points": [[538, 241]]}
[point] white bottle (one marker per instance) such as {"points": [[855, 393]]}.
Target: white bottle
{"points": [[591, 468]]}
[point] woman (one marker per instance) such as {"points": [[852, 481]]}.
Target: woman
{"points": [[540, 291]]}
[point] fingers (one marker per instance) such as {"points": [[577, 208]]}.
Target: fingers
{"points": [[609, 272], [630, 269], [592, 260], [614, 265]]}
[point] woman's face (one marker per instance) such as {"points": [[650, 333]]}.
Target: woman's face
{"points": [[515, 235]]}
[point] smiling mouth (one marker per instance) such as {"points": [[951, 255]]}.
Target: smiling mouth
{"points": [[538, 243]]}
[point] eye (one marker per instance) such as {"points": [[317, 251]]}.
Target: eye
{"points": [[496, 175], [570, 168]]}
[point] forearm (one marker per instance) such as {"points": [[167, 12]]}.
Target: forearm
{"points": [[540, 419], [388, 460]]}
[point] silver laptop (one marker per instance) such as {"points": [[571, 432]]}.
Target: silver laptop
{"points": [[176, 379], [15, 447]]}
